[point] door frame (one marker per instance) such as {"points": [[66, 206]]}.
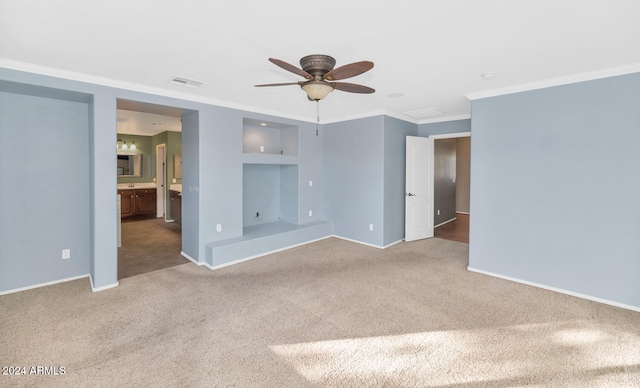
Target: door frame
{"points": [[161, 180], [443, 136]]}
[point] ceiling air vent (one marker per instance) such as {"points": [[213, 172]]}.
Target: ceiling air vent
{"points": [[423, 113], [190, 83]]}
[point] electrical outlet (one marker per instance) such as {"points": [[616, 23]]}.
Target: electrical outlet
{"points": [[219, 228], [174, 180], [310, 213], [261, 148], [371, 227], [438, 211], [310, 183], [66, 254]]}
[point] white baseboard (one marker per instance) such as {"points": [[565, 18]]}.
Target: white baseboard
{"points": [[358, 242], [392, 244], [559, 290], [97, 289], [191, 258], [367, 244], [44, 284], [262, 254], [446, 222]]}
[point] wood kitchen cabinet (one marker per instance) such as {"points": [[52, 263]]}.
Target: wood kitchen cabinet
{"points": [[137, 202], [175, 204]]}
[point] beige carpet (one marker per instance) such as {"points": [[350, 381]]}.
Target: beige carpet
{"points": [[328, 314]]}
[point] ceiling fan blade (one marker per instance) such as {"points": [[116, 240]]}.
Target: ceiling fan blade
{"points": [[283, 84], [352, 88], [291, 68], [348, 71]]}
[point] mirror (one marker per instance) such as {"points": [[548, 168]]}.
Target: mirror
{"points": [[129, 165], [177, 166]]}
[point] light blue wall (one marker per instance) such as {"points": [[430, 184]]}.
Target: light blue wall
{"points": [[445, 127], [261, 193], [365, 161], [395, 151], [45, 198], [212, 172], [555, 179], [190, 184], [289, 193], [354, 178]]}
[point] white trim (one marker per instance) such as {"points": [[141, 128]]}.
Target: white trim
{"points": [[44, 284], [94, 289], [570, 79], [74, 76], [400, 116], [467, 213], [214, 267], [392, 244], [395, 115], [367, 244], [444, 119], [365, 115], [374, 113], [446, 222], [559, 290], [129, 86], [451, 135], [191, 259]]}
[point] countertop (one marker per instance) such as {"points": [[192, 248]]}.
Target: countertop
{"points": [[143, 185]]}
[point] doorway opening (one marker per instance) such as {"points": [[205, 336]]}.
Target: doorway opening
{"points": [[150, 239], [452, 186]]}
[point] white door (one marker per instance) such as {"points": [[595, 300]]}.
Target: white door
{"points": [[419, 189], [160, 180]]}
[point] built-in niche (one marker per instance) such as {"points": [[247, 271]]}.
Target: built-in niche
{"points": [[269, 138], [270, 194]]}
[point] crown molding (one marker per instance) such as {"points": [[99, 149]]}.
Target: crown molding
{"points": [[108, 82], [571, 79], [443, 119], [354, 117]]}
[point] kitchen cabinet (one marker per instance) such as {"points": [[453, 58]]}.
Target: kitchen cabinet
{"points": [[175, 205], [137, 202]]}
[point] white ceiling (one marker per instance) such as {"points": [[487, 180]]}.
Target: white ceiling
{"points": [[146, 124], [433, 52]]}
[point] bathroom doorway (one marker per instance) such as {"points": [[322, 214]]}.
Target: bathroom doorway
{"points": [[150, 238]]}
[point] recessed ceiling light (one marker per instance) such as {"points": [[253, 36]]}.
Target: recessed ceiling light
{"points": [[263, 124], [488, 76], [395, 95]]}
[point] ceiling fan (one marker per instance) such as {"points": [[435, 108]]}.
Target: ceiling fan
{"points": [[319, 73]]}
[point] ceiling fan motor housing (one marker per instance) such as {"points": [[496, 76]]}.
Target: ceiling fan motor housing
{"points": [[317, 64]]}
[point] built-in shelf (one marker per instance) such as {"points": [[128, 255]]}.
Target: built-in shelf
{"points": [[269, 138], [270, 159], [269, 194]]}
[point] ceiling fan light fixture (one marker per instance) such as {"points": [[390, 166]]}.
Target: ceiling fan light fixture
{"points": [[317, 90]]}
